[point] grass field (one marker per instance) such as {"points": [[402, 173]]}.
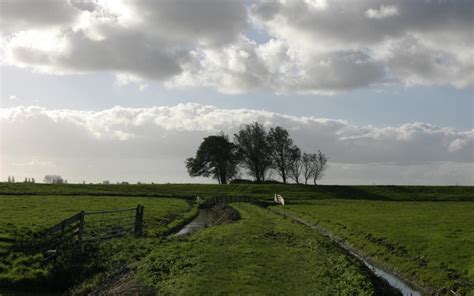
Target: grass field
{"points": [[261, 254], [425, 233], [430, 243], [24, 216], [263, 191]]}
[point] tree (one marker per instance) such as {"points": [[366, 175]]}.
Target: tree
{"points": [[296, 166], [283, 151], [216, 157], [307, 162], [33, 180], [254, 150], [53, 179], [9, 179], [319, 166], [13, 179]]}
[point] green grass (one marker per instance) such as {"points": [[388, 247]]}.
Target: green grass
{"points": [[263, 191], [425, 233], [25, 216], [430, 243], [261, 254]]}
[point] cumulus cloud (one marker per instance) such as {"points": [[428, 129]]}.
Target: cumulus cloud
{"points": [[152, 143], [275, 66], [384, 12], [140, 40], [403, 37], [315, 46]]}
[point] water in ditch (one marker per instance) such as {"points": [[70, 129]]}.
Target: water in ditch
{"points": [[393, 280], [202, 220]]}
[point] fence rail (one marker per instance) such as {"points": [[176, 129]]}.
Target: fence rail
{"points": [[94, 227]]}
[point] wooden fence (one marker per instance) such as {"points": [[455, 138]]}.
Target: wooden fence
{"points": [[94, 227]]}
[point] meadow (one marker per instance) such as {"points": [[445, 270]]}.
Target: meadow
{"points": [[260, 254], [429, 243], [423, 233], [25, 217], [262, 191]]}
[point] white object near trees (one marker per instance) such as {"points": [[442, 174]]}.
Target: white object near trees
{"points": [[279, 199]]}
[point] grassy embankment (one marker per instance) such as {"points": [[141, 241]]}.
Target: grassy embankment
{"points": [[429, 243], [23, 217], [260, 254]]}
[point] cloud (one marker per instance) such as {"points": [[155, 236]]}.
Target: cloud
{"points": [[315, 46], [383, 12], [140, 40], [416, 42], [152, 143], [274, 66], [17, 15]]}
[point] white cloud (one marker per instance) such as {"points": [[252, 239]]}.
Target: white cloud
{"points": [[416, 42], [316, 46], [274, 66], [152, 143], [383, 12], [141, 40]]}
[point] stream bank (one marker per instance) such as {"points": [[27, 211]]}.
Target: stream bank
{"points": [[209, 216], [390, 278]]}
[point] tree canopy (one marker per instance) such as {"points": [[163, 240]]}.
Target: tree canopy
{"points": [[216, 157], [283, 152], [254, 150]]}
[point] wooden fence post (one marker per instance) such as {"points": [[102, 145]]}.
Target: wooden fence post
{"points": [[61, 236], [139, 220], [81, 226]]}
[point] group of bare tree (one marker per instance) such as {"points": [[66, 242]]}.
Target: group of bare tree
{"points": [[11, 179], [309, 166], [259, 151]]}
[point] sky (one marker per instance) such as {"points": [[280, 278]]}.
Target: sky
{"points": [[125, 90]]}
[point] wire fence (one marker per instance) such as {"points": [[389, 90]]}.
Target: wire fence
{"points": [[93, 227]]}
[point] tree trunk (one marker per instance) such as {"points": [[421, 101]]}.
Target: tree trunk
{"points": [[257, 176]]}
